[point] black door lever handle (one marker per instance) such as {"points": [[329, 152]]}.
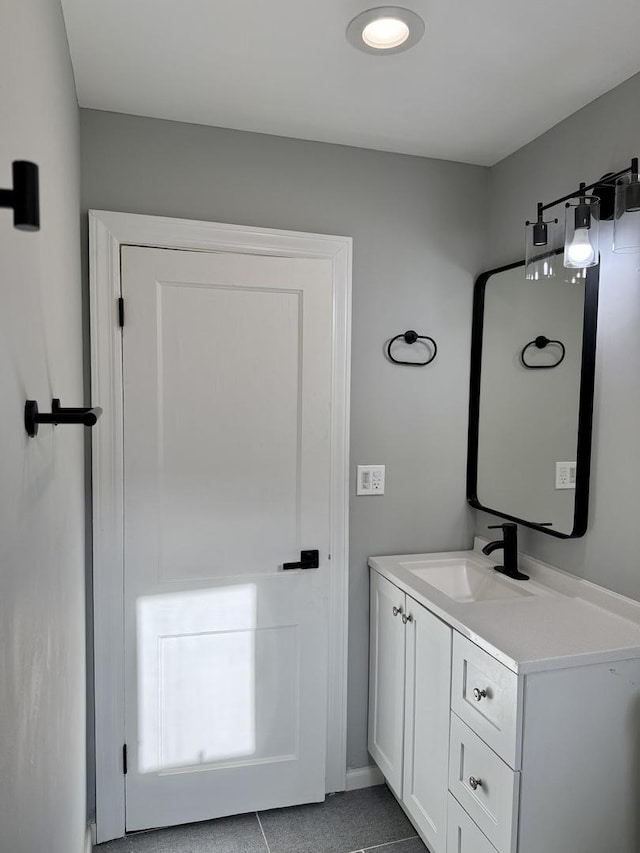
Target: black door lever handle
{"points": [[308, 560]]}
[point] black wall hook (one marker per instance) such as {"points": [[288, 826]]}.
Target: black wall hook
{"points": [[541, 342], [410, 337], [58, 415], [24, 198]]}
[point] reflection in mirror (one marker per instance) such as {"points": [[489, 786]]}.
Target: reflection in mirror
{"points": [[531, 400]]}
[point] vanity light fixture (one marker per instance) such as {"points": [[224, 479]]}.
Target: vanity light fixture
{"points": [[385, 30], [583, 213]]}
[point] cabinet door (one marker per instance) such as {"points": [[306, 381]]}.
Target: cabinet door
{"points": [[386, 679], [426, 749]]}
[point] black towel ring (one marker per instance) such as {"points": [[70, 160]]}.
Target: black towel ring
{"points": [[541, 342], [410, 337]]}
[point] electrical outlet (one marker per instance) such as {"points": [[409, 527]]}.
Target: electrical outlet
{"points": [[565, 475], [370, 480]]}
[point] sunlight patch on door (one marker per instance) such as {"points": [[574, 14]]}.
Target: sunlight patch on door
{"points": [[196, 677], [214, 687]]}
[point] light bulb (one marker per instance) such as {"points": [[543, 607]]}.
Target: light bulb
{"points": [[580, 251], [385, 33]]}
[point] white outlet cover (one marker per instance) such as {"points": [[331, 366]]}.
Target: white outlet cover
{"points": [[370, 480], [565, 475]]}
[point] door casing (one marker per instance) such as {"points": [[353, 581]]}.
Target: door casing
{"points": [[108, 231]]}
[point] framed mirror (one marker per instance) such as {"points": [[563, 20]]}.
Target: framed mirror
{"points": [[531, 397]]}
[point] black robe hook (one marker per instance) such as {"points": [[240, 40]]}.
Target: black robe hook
{"points": [[24, 198], [58, 415]]}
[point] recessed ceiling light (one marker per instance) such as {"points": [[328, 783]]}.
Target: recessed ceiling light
{"points": [[385, 29], [385, 33]]}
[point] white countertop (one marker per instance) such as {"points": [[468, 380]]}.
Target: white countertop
{"points": [[567, 621]]}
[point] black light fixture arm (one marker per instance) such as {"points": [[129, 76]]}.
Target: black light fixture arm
{"points": [[58, 415], [583, 188]]}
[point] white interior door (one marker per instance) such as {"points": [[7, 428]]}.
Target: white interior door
{"points": [[227, 391]]}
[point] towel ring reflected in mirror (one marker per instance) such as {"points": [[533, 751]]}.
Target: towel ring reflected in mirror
{"points": [[541, 342]]}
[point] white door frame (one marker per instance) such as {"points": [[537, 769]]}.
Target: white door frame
{"points": [[108, 231]]}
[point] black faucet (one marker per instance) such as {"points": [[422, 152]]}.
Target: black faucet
{"points": [[510, 546]]}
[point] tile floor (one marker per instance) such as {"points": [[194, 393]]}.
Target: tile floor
{"points": [[365, 821]]}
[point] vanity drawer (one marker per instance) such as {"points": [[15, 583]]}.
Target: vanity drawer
{"points": [[463, 836], [484, 786], [484, 694]]}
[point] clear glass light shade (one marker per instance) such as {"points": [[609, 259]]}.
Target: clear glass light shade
{"points": [[581, 236], [541, 258], [626, 222], [573, 276]]}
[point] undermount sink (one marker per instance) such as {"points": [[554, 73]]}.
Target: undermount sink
{"points": [[465, 580]]}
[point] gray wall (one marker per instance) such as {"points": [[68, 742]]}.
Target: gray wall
{"points": [[600, 138], [418, 243], [42, 626]]}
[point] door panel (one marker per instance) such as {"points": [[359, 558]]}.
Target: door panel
{"points": [[191, 653], [386, 679], [227, 381], [428, 690], [221, 335]]}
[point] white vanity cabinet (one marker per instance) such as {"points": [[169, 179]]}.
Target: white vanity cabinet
{"points": [[409, 688], [485, 759]]}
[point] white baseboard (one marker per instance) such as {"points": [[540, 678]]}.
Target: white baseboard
{"points": [[90, 837], [363, 777]]}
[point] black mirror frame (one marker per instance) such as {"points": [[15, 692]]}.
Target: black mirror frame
{"points": [[585, 408]]}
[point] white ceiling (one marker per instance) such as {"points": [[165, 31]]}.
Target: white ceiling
{"points": [[488, 76]]}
